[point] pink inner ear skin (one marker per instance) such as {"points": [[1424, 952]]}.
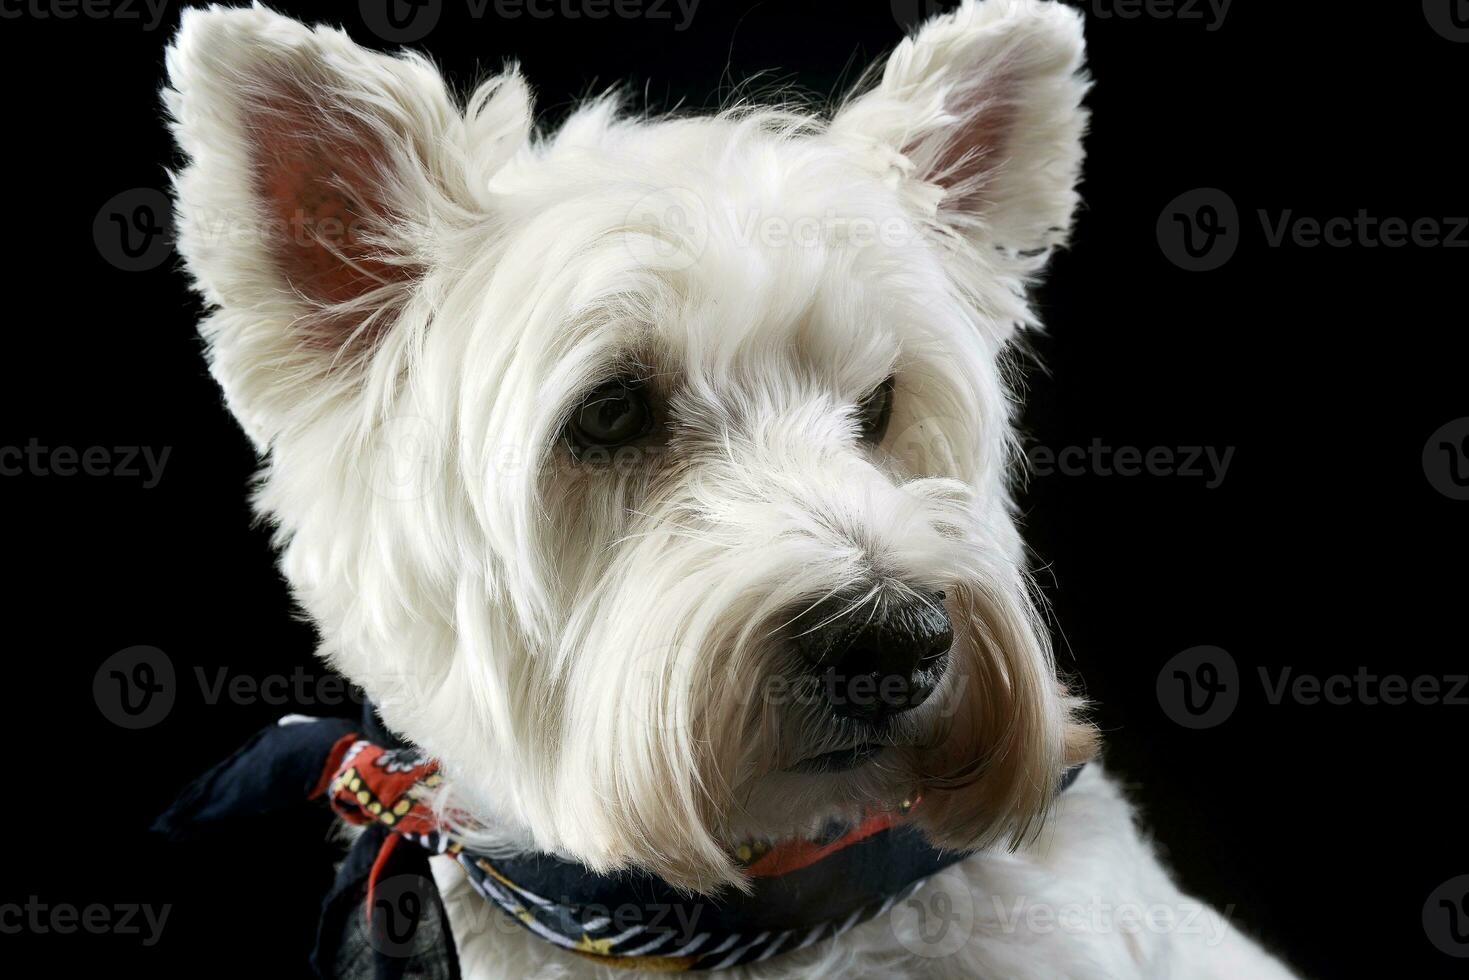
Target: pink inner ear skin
{"points": [[318, 184], [969, 159]]}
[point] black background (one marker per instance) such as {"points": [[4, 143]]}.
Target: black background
{"points": [[1326, 548]]}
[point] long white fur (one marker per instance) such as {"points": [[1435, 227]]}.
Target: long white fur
{"points": [[585, 649]]}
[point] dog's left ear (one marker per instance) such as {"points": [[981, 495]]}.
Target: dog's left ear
{"points": [[324, 184], [981, 110]]}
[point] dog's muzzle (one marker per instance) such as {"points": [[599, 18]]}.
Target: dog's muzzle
{"points": [[876, 660]]}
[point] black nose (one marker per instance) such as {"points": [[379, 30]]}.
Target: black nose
{"points": [[876, 659]]}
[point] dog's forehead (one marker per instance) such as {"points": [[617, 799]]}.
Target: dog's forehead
{"points": [[722, 240]]}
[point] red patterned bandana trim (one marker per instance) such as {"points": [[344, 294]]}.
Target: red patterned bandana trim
{"points": [[370, 784]]}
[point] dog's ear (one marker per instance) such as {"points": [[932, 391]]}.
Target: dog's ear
{"points": [[981, 108], [322, 183]]}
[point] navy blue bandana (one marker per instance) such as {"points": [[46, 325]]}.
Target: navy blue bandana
{"points": [[384, 919]]}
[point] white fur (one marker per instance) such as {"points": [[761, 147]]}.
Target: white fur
{"points": [[586, 648]]}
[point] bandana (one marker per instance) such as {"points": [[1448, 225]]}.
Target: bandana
{"points": [[384, 918]]}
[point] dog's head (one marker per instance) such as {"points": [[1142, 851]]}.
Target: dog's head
{"points": [[653, 474]]}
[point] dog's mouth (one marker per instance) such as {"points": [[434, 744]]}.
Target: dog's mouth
{"points": [[839, 760]]}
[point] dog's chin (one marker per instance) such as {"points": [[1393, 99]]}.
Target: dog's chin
{"points": [[801, 800]]}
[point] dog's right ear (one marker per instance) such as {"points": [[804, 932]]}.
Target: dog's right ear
{"points": [[321, 184], [981, 109]]}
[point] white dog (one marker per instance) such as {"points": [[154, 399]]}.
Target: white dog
{"points": [[652, 478]]}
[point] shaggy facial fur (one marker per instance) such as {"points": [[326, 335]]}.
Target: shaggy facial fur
{"points": [[411, 297]]}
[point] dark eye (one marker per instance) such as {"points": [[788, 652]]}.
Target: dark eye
{"points": [[873, 413], [614, 414]]}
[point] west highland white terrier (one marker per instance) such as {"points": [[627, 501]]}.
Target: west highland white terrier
{"points": [[652, 478]]}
